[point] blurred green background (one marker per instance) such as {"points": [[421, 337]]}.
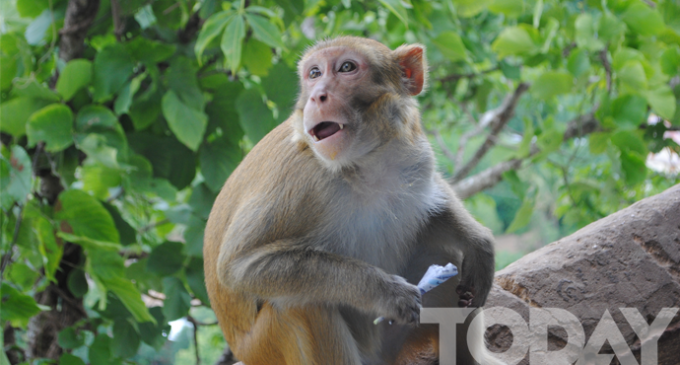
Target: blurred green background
{"points": [[121, 120]]}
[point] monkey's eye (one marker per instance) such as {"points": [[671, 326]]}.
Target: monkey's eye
{"points": [[314, 73], [348, 67]]}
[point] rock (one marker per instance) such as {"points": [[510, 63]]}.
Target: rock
{"points": [[628, 259]]}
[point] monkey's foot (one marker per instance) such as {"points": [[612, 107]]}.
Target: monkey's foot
{"points": [[465, 295]]}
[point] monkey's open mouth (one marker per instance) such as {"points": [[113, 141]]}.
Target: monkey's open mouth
{"points": [[325, 129]]}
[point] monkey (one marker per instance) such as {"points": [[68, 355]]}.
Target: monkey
{"points": [[333, 216]]}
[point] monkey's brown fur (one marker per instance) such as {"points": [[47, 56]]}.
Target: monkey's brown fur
{"points": [[308, 241]]}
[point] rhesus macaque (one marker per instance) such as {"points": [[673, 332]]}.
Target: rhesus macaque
{"points": [[334, 216]]}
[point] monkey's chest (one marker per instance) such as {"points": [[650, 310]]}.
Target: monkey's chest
{"points": [[380, 230]]}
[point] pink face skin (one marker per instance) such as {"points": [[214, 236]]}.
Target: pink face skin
{"points": [[330, 77]]}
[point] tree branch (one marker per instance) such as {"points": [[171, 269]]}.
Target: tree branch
{"points": [[607, 68], [440, 141], [499, 118], [578, 127], [118, 24], [456, 77], [79, 16]]}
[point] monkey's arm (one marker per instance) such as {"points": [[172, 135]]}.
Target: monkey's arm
{"points": [[476, 244], [287, 273]]}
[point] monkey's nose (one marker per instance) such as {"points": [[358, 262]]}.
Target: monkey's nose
{"points": [[320, 96]]}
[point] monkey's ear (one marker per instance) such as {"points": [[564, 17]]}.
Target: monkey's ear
{"points": [[411, 58]]}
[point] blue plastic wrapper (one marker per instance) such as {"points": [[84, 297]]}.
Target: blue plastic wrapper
{"points": [[435, 275]]}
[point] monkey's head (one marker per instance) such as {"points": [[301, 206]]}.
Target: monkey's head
{"points": [[356, 95]]}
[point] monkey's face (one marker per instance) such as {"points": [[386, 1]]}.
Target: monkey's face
{"points": [[330, 80], [356, 95]]}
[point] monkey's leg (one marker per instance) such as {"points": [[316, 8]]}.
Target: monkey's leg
{"points": [[309, 335]]}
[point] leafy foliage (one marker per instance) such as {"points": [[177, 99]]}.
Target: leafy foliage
{"points": [[142, 129]]}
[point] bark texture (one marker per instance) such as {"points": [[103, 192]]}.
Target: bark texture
{"points": [[628, 259]]}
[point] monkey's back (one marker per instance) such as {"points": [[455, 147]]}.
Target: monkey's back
{"points": [[274, 167]]}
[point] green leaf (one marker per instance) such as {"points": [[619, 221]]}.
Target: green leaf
{"points": [[670, 61], [125, 230], [585, 33], [95, 115], [661, 100], [98, 178], [222, 112], [76, 75], [193, 236], [15, 113], [212, 27], [257, 56], [77, 283], [31, 88], [113, 66], [152, 334], [201, 200], [186, 123], [126, 340], [130, 297], [511, 8], [148, 51], [633, 75], [265, 31], [513, 41], [100, 351], [196, 279], [68, 359], [170, 159], [633, 167], [643, 20], [90, 244], [256, 119], [218, 160], [232, 41], [291, 8], [166, 259], [451, 46], [8, 70], [16, 177], [31, 8], [598, 142], [523, 215], [470, 8], [96, 148], [52, 124], [629, 110], [396, 8], [550, 141], [69, 338], [177, 300], [610, 28], [630, 141], [168, 14], [281, 87], [552, 83], [16, 306], [578, 62], [181, 78], [86, 216]]}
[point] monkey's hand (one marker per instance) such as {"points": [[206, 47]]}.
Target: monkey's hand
{"points": [[400, 302], [476, 275]]}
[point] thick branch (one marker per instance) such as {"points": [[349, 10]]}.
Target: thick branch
{"points": [[500, 117], [192, 27], [118, 24], [79, 16], [579, 127]]}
